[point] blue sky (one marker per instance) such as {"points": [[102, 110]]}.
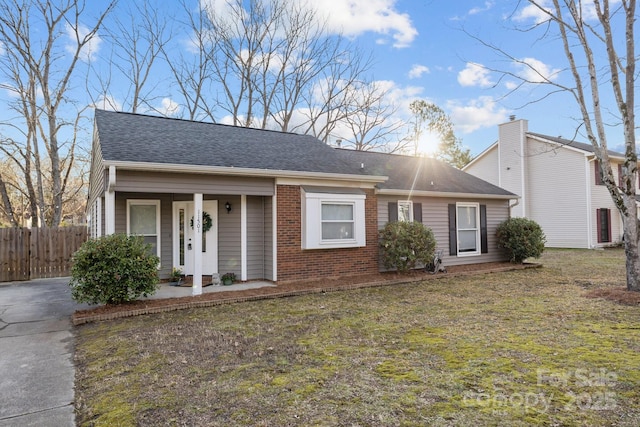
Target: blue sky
{"points": [[440, 62], [421, 50], [424, 49]]}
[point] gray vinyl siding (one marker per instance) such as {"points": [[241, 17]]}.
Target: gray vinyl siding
{"points": [[229, 250], [255, 238], [435, 216], [186, 183], [97, 181], [166, 213], [268, 238], [259, 231]]}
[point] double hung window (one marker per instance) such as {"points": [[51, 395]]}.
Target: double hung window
{"points": [[143, 219]]}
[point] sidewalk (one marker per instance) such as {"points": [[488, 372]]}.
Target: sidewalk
{"points": [[36, 362]]}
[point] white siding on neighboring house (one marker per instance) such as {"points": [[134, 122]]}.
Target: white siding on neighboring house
{"points": [[600, 198], [513, 168], [486, 167], [557, 199]]}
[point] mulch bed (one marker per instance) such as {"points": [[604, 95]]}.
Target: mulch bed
{"points": [[140, 307], [618, 295]]}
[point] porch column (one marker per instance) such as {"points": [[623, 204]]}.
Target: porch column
{"points": [[197, 244], [243, 237], [110, 203]]}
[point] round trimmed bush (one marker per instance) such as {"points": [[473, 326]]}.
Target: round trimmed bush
{"points": [[406, 244], [113, 269], [522, 238]]}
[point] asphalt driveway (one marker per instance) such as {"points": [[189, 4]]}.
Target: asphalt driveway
{"points": [[36, 353]]}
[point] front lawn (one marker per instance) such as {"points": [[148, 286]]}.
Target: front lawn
{"points": [[516, 348]]}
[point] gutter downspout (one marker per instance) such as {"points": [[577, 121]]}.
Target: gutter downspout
{"points": [[110, 203], [511, 206]]}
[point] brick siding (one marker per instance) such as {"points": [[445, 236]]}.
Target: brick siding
{"points": [[294, 263]]}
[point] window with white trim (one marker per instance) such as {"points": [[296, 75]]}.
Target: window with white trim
{"points": [[468, 228], [405, 210], [143, 219], [332, 220], [337, 221]]}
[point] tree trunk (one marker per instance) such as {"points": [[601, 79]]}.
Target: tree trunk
{"points": [[631, 243]]}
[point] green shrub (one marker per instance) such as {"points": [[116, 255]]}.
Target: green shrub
{"points": [[406, 244], [522, 238], [113, 269]]}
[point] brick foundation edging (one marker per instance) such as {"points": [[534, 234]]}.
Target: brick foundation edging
{"points": [[76, 321]]}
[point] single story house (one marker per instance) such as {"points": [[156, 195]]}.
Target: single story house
{"points": [[559, 182], [276, 206]]}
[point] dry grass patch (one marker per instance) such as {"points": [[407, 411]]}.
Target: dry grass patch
{"points": [[515, 348]]}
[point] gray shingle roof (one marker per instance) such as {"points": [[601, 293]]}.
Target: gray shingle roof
{"points": [[575, 144], [127, 137], [140, 138], [422, 174]]}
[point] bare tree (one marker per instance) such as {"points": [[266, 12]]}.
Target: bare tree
{"points": [[372, 120], [9, 192], [38, 67], [192, 71], [137, 37], [599, 60], [276, 63]]}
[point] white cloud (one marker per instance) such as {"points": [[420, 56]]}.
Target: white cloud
{"points": [[533, 13], [349, 17], [539, 14], [482, 112], [90, 49], [2, 49], [476, 10], [474, 75], [169, 108], [15, 92], [535, 71], [108, 102], [355, 17], [417, 71]]}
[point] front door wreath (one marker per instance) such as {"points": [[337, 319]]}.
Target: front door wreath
{"points": [[207, 222]]}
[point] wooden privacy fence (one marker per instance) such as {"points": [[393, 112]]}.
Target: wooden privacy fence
{"points": [[38, 252]]}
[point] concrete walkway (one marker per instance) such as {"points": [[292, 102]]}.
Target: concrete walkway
{"points": [[36, 353], [165, 290]]}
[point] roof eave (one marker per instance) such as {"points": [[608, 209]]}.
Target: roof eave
{"points": [[447, 194], [233, 171]]}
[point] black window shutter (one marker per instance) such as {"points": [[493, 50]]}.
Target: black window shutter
{"points": [[393, 211], [417, 212], [453, 235], [484, 246], [599, 222], [608, 225]]}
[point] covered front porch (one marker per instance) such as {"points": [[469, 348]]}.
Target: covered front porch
{"points": [[231, 232]]}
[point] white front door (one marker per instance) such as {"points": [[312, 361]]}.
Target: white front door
{"points": [[183, 233]]}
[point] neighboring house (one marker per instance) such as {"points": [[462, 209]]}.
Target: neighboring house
{"points": [[559, 182], [276, 206]]}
